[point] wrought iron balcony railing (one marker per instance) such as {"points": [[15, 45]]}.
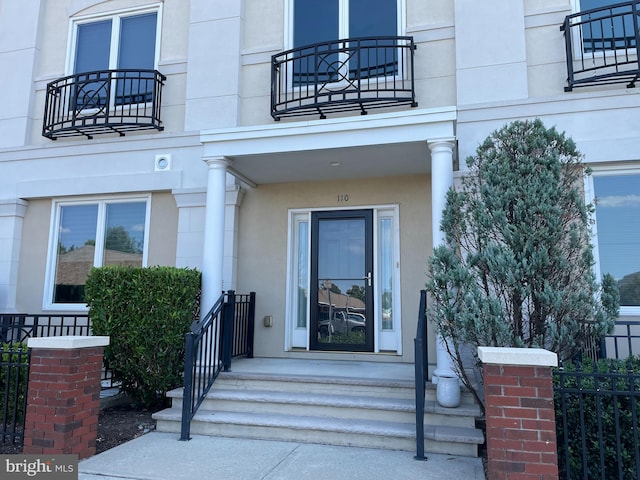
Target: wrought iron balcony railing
{"points": [[343, 75], [105, 101], [601, 45]]}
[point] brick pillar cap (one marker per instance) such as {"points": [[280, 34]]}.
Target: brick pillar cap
{"points": [[68, 342], [537, 357]]}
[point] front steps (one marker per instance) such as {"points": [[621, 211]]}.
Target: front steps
{"points": [[335, 410]]}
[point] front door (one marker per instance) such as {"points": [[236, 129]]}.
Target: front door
{"points": [[342, 280]]}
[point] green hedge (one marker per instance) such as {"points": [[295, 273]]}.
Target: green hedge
{"points": [[602, 407], [146, 312]]}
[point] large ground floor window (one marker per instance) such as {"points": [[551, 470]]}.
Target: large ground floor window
{"points": [[343, 285], [617, 198], [88, 233]]}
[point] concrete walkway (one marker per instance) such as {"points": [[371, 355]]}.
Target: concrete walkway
{"points": [[160, 456]]}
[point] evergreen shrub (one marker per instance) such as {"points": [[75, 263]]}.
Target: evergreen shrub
{"points": [[517, 266], [146, 312]]}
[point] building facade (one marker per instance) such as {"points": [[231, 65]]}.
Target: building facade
{"points": [[294, 148]]}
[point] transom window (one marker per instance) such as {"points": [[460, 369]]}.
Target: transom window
{"points": [[617, 199], [93, 233]]}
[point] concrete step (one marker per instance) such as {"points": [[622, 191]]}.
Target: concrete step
{"points": [[330, 405], [332, 431], [384, 388], [339, 410]]}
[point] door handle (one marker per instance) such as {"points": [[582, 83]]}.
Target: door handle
{"points": [[368, 279]]}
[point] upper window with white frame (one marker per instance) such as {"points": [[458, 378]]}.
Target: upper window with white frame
{"points": [[314, 22], [605, 27], [127, 40], [617, 200], [92, 233]]}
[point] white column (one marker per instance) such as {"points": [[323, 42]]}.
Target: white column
{"points": [[441, 181], [213, 251], [12, 214]]}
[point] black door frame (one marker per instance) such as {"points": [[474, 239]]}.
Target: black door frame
{"points": [[316, 217]]}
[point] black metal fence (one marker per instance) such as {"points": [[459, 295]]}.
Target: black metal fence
{"points": [[104, 101], [14, 378], [15, 330], [18, 327], [597, 419], [226, 332], [601, 45], [343, 75]]}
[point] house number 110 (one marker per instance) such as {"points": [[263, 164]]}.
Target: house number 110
{"points": [[343, 197]]}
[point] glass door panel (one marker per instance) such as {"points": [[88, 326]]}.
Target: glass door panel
{"points": [[341, 279]]}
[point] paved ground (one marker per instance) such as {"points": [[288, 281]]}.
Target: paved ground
{"points": [[160, 456]]}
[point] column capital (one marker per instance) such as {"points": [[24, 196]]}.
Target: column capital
{"points": [[442, 144], [216, 162]]}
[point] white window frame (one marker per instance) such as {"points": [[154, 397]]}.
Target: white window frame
{"points": [[590, 198], [578, 50], [343, 32], [343, 20], [52, 250], [115, 16], [385, 341]]}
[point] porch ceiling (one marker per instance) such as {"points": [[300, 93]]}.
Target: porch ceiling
{"points": [[334, 163], [344, 148]]}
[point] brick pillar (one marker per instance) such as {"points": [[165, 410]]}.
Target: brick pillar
{"points": [[520, 414], [64, 395]]}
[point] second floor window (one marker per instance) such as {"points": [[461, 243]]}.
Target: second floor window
{"points": [[324, 22], [607, 25], [116, 42]]}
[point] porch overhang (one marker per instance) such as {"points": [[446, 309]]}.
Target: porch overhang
{"points": [[344, 148]]}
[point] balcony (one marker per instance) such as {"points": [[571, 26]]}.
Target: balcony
{"points": [[356, 74], [102, 102], [601, 46]]}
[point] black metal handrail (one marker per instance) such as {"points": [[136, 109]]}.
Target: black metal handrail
{"points": [[104, 101], [421, 372], [601, 46], [343, 75], [226, 332]]}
